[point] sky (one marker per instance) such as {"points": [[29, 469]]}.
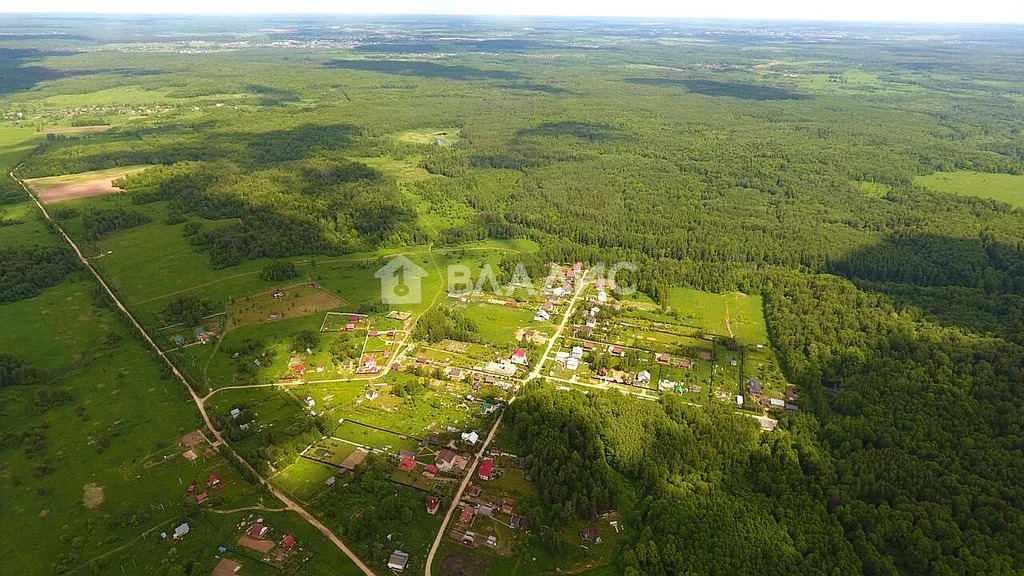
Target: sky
{"points": [[1006, 11]]}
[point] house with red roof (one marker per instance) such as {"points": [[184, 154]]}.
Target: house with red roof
{"points": [[202, 497], [288, 541], [433, 503], [486, 469], [407, 463], [257, 530], [519, 356], [430, 470], [214, 481]]}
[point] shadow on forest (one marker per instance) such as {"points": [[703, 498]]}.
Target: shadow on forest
{"points": [[251, 150], [531, 87], [740, 90], [423, 69], [974, 284], [592, 131], [16, 76], [17, 73]]}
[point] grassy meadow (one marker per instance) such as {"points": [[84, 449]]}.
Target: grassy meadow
{"points": [[1008, 188]]}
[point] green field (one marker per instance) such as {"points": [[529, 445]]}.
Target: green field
{"points": [[735, 315], [1008, 188]]}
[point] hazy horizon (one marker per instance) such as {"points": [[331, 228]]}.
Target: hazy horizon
{"points": [[870, 11]]}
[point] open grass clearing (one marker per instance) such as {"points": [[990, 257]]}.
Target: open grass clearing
{"points": [[1008, 188], [735, 315]]}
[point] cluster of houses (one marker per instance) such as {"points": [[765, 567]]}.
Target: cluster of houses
{"points": [[755, 390], [476, 505], [571, 360], [555, 289]]}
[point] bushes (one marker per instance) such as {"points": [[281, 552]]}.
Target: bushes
{"points": [[14, 372], [103, 221], [189, 310], [279, 270]]}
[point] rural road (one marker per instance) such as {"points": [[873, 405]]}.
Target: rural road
{"points": [[199, 401], [494, 429]]}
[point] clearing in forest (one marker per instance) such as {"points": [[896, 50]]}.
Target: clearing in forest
{"points": [[442, 137], [54, 189], [735, 314], [1007, 188]]}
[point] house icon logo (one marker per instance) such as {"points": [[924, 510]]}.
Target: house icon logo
{"points": [[400, 281]]}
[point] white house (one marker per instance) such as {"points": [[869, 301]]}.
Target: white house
{"points": [[470, 438], [572, 364], [310, 402], [181, 531], [577, 352], [643, 376]]}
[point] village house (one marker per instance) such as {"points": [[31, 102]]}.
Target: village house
{"points": [[591, 534], [577, 352], [467, 514], [486, 469], [518, 357], [754, 387], [433, 503], [288, 541], [572, 364], [663, 358], [444, 460], [398, 561], [430, 470], [407, 464], [257, 530], [643, 377], [180, 531], [470, 438], [214, 481], [202, 497], [461, 461]]}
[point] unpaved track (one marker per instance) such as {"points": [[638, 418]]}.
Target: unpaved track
{"points": [[494, 429], [289, 503]]}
